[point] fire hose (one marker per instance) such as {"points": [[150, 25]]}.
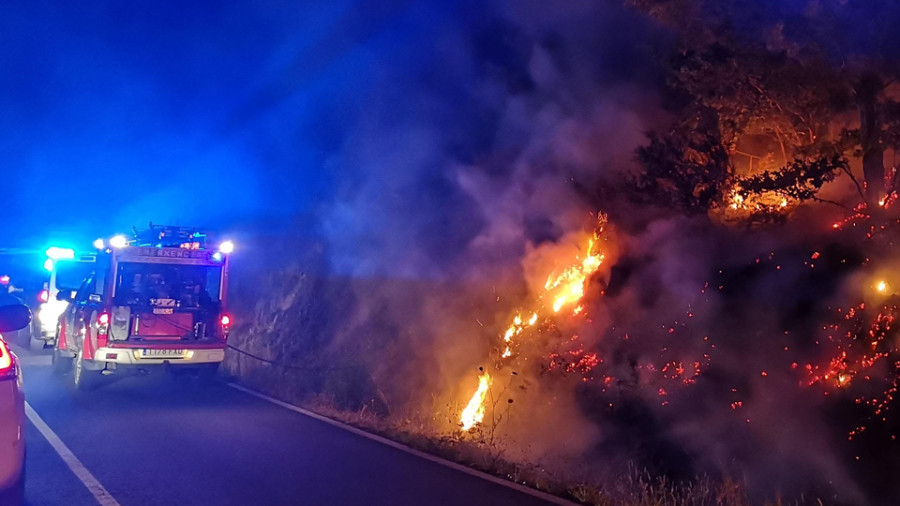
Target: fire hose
{"points": [[289, 366]]}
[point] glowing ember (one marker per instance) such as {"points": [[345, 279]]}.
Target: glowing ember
{"points": [[474, 412]]}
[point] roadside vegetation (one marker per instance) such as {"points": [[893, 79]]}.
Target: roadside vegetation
{"points": [[737, 345]]}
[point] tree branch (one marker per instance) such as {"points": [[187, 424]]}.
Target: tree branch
{"points": [[859, 189], [832, 202]]}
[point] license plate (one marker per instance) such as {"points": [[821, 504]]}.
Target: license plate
{"points": [[157, 353]]}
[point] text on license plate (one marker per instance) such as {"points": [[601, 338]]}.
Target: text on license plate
{"points": [[160, 353]]}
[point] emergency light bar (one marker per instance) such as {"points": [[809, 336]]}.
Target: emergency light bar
{"points": [[167, 236]]}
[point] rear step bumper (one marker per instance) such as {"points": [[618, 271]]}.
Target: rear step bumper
{"points": [[137, 356]]}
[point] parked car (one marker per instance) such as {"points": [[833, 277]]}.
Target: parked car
{"points": [[13, 317]]}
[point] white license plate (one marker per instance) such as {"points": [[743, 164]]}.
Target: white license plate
{"points": [[157, 353]]}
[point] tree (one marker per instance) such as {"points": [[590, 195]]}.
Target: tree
{"points": [[798, 73], [683, 170]]}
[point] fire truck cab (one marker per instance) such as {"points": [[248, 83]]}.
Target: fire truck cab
{"points": [[155, 301]]}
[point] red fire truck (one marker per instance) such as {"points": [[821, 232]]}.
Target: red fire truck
{"points": [[157, 300]]}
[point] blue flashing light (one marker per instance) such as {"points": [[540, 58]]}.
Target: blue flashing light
{"points": [[217, 256], [48, 264]]}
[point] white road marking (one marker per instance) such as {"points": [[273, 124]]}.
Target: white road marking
{"points": [[412, 451], [94, 487]]}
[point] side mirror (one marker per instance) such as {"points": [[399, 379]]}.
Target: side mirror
{"points": [[14, 317], [65, 295]]}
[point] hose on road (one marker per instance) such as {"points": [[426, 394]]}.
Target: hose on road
{"points": [[289, 366]]}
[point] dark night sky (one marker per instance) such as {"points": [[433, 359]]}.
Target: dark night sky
{"points": [[372, 119], [208, 113]]}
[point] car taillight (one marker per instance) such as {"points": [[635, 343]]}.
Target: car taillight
{"points": [[7, 364], [102, 323], [44, 296]]}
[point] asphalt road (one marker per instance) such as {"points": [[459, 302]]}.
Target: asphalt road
{"points": [[156, 442]]}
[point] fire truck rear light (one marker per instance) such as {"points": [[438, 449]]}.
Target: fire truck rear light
{"points": [[7, 366], [103, 319], [226, 320], [112, 356], [44, 296]]}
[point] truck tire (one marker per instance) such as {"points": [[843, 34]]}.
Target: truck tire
{"points": [[84, 378]]}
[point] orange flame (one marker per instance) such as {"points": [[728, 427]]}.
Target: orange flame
{"points": [[566, 289], [572, 279], [474, 412], [739, 204]]}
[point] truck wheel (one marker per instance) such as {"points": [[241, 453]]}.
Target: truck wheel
{"points": [[85, 379]]}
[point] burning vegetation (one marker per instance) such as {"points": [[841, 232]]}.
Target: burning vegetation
{"points": [[561, 291], [784, 309], [717, 318], [767, 335]]}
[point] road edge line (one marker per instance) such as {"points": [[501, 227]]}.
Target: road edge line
{"points": [[103, 497], [408, 449]]}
